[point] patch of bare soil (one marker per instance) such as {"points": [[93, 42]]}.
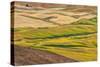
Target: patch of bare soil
{"points": [[30, 56]]}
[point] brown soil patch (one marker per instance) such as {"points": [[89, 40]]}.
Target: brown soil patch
{"points": [[29, 56]]}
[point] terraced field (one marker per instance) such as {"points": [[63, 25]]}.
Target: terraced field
{"points": [[48, 33]]}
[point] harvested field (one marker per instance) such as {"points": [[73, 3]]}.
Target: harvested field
{"points": [[29, 56]]}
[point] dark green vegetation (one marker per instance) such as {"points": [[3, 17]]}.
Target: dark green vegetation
{"points": [[65, 46], [63, 31]]}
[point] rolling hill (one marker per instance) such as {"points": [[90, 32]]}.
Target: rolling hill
{"points": [[50, 31]]}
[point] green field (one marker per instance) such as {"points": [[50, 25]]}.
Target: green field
{"points": [[76, 40]]}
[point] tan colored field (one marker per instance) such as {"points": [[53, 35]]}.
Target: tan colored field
{"points": [[47, 17], [21, 21]]}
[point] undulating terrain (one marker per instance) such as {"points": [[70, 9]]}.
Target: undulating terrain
{"points": [[53, 33]]}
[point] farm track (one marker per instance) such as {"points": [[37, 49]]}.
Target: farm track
{"points": [[29, 56]]}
